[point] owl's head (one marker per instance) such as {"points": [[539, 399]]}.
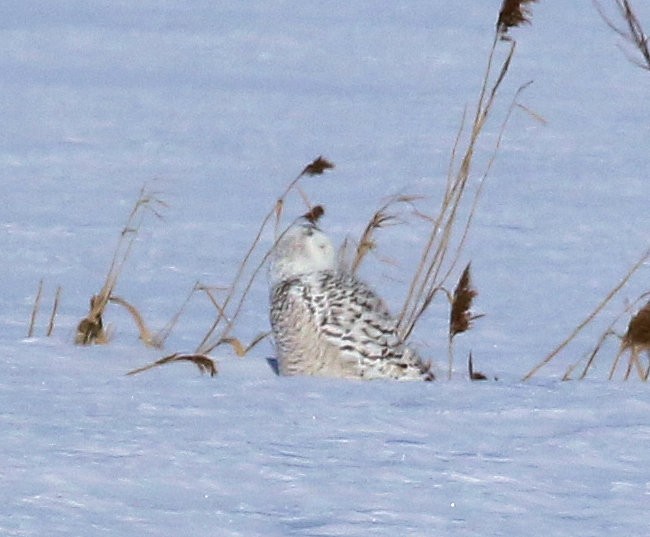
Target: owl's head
{"points": [[301, 249]]}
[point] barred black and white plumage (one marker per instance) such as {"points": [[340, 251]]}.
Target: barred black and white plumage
{"points": [[326, 322]]}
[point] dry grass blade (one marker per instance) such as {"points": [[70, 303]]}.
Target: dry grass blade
{"points": [[202, 361], [513, 13], [55, 307], [145, 335], [35, 308], [632, 31], [239, 348]]}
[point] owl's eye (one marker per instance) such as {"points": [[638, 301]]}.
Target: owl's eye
{"points": [[309, 231]]}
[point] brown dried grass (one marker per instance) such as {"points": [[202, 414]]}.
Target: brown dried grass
{"points": [[90, 329], [443, 248], [35, 309], [227, 315], [635, 341], [614, 292], [460, 316], [55, 308], [513, 13]]}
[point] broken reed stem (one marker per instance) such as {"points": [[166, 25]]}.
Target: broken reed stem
{"points": [[317, 167], [277, 211], [55, 307], [35, 309], [548, 358]]}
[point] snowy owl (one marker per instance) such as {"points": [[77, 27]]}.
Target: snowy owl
{"points": [[326, 322]]}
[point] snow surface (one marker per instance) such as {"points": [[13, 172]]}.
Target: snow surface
{"points": [[218, 107]]}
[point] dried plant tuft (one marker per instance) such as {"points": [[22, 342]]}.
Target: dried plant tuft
{"points": [[638, 330], [636, 340], [315, 214], [513, 13], [461, 318], [202, 361], [91, 328]]}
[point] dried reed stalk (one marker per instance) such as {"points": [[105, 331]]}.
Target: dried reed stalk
{"points": [[549, 357], [202, 361], [442, 250], [55, 307], [317, 167], [631, 31], [90, 329], [35, 308]]}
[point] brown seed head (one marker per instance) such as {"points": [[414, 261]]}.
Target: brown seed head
{"points": [[513, 13], [638, 331], [318, 166], [461, 318], [314, 214]]}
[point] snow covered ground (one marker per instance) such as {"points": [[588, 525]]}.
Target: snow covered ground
{"points": [[218, 108]]}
